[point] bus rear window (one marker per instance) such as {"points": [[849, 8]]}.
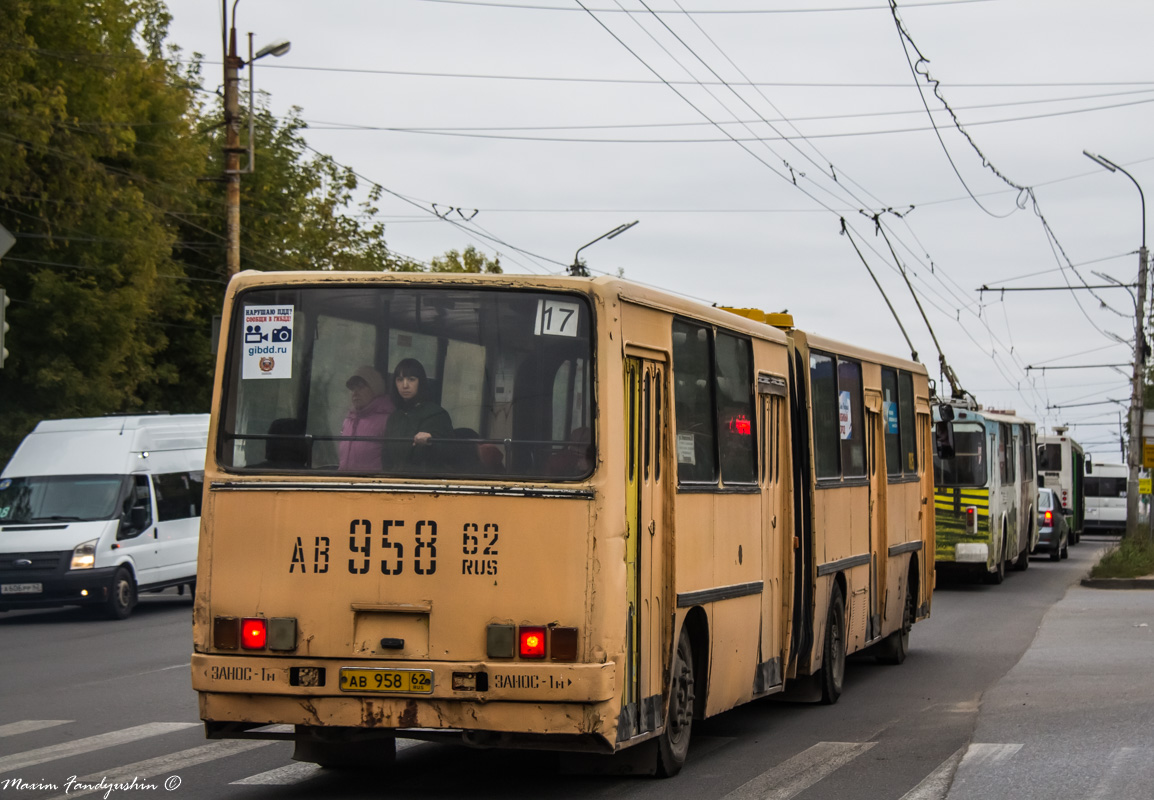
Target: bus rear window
{"points": [[968, 466], [409, 382], [1049, 458]]}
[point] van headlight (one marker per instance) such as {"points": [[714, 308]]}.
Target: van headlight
{"points": [[84, 556]]}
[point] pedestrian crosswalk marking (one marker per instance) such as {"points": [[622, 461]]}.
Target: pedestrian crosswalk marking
{"points": [[988, 755], [86, 745], [168, 766], [282, 776], [936, 785], [1126, 764], [29, 725], [794, 776]]}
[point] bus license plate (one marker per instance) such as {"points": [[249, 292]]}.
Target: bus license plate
{"points": [[400, 681], [21, 588]]}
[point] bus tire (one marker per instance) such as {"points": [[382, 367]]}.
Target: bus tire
{"points": [[1023, 562], [673, 745], [833, 651], [996, 577], [896, 646], [121, 595]]}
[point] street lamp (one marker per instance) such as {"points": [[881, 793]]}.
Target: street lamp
{"points": [[232, 148], [1136, 381], [578, 267]]}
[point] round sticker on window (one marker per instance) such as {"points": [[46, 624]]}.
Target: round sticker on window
{"points": [[4, 484]]}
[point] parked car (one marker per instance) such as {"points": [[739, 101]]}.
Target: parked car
{"points": [[1053, 529]]}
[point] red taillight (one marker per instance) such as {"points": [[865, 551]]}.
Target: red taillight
{"points": [[253, 633], [532, 642], [1048, 521]]}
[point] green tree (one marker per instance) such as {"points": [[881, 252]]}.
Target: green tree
{"points": [[110, 160], [97, 159], [470, 260]]}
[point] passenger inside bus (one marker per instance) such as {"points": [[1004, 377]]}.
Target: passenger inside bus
{"points": [[418, 426], [369, 409], [286, 447], [575, 459]]}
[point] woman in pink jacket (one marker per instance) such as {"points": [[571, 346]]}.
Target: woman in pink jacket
{"points": [[369, 411]]}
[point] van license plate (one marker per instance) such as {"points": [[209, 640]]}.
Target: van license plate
{"points": [[21, 588], [401, 681]]}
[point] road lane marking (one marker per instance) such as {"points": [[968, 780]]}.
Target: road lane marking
{"points": [[86, 745], [29, 725], [794, 776], [169, 766], [936, 785]]}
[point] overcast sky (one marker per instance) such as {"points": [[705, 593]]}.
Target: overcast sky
{"points": [[739, 133]]}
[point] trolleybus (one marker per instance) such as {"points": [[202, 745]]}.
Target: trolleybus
{"points": [[605, 512], [1062, 467], [984, 491]]}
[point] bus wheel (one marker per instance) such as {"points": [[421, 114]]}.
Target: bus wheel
{"points": [[1023, 562], [833, 655], [897, 645], [999, 574], [673, 746], [121, 595]]}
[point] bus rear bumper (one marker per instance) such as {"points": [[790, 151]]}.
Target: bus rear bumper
{"points": [[549, 700], [972, 553], [558, 726]]}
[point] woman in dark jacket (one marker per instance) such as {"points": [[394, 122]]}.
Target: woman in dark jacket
{"points": [[416, 423]]}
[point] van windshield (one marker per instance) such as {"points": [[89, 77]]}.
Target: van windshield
{"points": [[60, 498]]}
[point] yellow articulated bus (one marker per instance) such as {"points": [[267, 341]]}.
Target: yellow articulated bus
{"points": [[559, 513]]}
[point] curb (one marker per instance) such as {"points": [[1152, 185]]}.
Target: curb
{"points": [[1118, 583]]}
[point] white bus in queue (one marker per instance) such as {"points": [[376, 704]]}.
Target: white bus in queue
{"points": [[1062, 467], [1106, 497]]}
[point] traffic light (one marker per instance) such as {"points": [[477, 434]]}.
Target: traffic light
{"points": [[3, 325]]}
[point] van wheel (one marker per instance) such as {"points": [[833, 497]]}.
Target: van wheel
{"points": [[673, 746], [833, 652], [121, 595]]}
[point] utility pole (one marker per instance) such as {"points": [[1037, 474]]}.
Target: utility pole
{"points": [[1134, 459], [232, 151]]}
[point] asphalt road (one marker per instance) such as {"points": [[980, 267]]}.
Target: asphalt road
{"points": [[84, 699]]}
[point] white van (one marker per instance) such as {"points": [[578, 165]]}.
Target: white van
{"points": [[1106, 498], [93, 511]]}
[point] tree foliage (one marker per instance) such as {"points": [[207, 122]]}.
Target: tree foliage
{"points": [[468, 260], [111, 167]]}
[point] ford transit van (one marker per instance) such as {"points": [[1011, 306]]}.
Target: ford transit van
{"points": [[94, 511]]}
